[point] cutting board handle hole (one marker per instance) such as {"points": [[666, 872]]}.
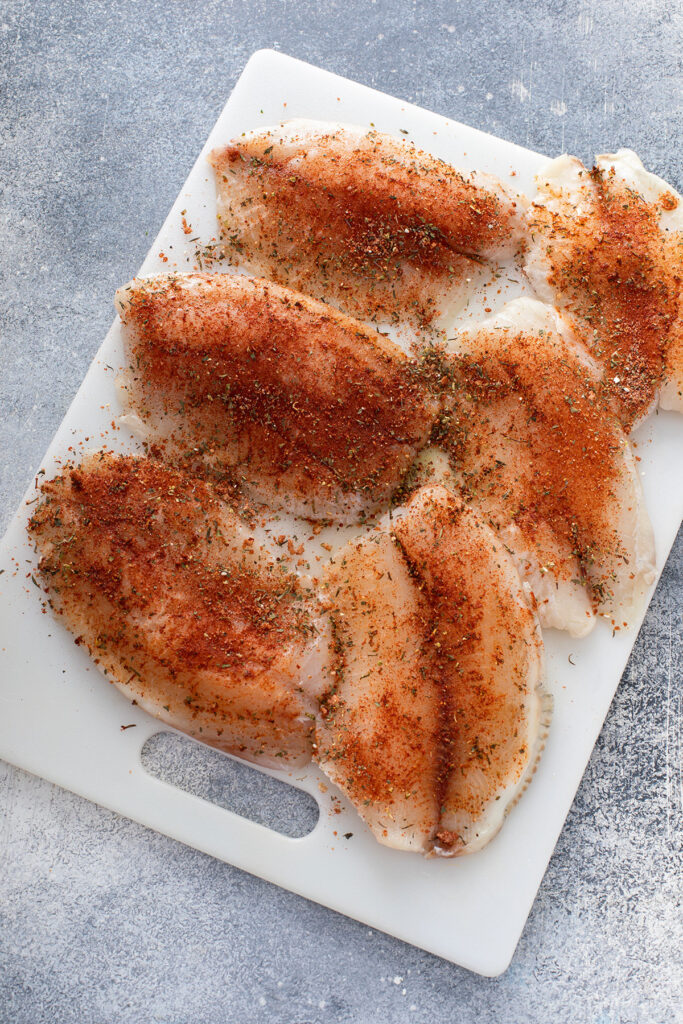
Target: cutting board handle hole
{"points": [[231, 784]]}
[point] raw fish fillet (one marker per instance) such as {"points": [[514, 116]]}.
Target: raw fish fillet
{"points": [[436, 718], [537, 451], [180, 609], [607, 246], [489, 655], [309, 410], [378, 736], [363, 220]]}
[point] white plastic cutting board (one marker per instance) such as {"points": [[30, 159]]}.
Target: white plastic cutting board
{"points": [[60, 719]]}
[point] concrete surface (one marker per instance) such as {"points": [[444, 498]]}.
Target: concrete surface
{"points": [[104, 108]]}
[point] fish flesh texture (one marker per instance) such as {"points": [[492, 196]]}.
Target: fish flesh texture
{"points": [[536, 450], [307, 409], [436, 716], [363, 220], [182, 611], [378, 731], [606, 245], [489, 655]]}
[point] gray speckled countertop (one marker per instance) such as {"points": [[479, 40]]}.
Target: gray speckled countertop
{"points": [[104, 108]]}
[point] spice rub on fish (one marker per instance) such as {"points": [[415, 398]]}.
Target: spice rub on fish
{"points": [[536, 451], [607, 246], [179, 607], [378, 733], [310, 410], [363, 220], [488, 651], [436, 717]]}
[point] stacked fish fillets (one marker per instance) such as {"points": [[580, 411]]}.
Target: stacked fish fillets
{"points": [[490, 475]]}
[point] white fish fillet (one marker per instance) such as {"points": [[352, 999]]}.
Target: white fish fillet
{"points": [[490, 660], [378, 735], [437, 717], [307, 409], [538, 453], [607, 246], [180, 609], [363, 220]]}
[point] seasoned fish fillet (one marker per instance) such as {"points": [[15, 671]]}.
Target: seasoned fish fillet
{"points": [[536, 450], [363, 220], [310, 410], [490, 666], [378, 736], [607, 246], [179, 607], [435, 720]]}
